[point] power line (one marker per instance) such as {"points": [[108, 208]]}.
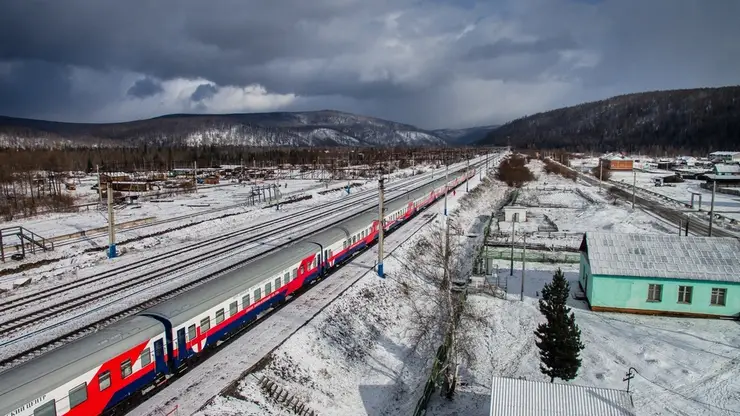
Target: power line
{"points": [[684, 396]]}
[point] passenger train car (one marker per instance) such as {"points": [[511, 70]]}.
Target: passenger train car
{"points": [[104, 371]]}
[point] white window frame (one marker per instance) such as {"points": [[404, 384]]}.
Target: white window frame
{"points": [[653, 289], [685, 294], [717, 294]]}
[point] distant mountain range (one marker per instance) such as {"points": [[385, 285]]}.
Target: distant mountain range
{"points": [[313, 128], [686, 121], [464, 136]]}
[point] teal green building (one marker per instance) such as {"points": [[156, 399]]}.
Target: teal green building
{"points": [[661, 274]]}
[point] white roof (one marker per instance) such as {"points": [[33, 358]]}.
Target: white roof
{"points": [[515, 397], [723, 153], [723, 168], [666, 256]]}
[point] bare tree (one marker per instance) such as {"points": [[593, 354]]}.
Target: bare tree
{"points": [[432, 271]]}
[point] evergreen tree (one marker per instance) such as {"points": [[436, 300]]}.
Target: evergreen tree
{"points": [[559, 339]]}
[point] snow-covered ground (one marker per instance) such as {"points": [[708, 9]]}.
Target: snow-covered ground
{"points": [[355, 357]]}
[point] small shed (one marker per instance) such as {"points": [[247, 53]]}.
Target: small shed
{"points": [[661, 274], [513, 396], [515, 211]]}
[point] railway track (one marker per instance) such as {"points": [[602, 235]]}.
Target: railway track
{"points": [[207, 212], [232, 241], [698, 226], [43, 347]]}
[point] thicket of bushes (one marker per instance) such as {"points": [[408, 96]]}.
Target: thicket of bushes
{"points": [[513, 170]]}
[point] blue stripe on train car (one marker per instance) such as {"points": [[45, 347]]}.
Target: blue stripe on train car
{"points": [[131, 388]]}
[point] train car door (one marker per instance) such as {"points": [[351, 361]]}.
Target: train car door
{"points": [[182, 348], [160, 364]]}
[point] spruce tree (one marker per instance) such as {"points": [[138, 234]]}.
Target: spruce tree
{"points": [[559, 339]]}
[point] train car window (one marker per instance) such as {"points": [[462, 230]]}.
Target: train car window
{"points": [[47, 409], [219, 316], [302, 270], [125, 368], [344, 244], [268, 288], [295, 273], [191, 332], [245, 301], [146, 357], [286, 279], [277, 283], [257, 294], [205, 324], [233, 308], [104, 380], [77, 395]]}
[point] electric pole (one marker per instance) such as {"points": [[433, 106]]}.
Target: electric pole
{"points": [[634, 182], [380, 227], [513, 221], [524, 260], [601, 173], [111, 223], [100, 191], [711, 208], [447, 184], [467, 173], [195, 176]]}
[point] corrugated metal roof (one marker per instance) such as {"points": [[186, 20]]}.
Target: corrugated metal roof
{"points": [[667, 256], [516, 397], [724, 168]]}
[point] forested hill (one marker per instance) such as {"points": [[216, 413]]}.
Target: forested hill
{"points": [[695, 120]]}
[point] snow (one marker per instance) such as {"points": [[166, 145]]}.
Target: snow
{"points": [[372, 369]]}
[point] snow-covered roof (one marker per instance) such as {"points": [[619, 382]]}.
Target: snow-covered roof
{"points": [[516, 397], [723, 168], [724, 153], [664, 256]]}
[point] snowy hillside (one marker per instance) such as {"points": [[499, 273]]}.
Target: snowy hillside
{"points": [[316, 128]]}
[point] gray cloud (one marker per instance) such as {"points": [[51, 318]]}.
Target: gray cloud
{"points": [[145, 87], [434, 63], [203, 92]]}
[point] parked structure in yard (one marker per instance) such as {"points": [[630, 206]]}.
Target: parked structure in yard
{"points": [[616, 162], [517, 211], [725, 157], [513, 396], [661, 274]]}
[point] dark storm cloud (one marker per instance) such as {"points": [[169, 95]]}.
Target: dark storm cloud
{"points": [[436, 63], [145, 87], [204, 92], [508, 46]]}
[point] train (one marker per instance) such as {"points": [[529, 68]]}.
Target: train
{"points": [[107, 371]]}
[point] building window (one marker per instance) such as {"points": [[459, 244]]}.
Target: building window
{"points": [[719, 296], [655, 293], [684, 294]]}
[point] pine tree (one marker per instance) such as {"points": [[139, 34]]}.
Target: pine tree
{"points": [[559, 339]]}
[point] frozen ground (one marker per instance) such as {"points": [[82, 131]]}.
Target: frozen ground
{"points": [[321, 359], [681, 361]]}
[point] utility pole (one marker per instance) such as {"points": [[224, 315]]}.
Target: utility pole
{"points": [[634, 183], [447, 184], [711, 208], [524, 259], [513, 221], [467, 172], [100, 191], [195, 175], [601, 173], [111, 223], [380, 227]]}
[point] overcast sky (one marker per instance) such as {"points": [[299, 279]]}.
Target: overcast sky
{"points": [[432, 63]]}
